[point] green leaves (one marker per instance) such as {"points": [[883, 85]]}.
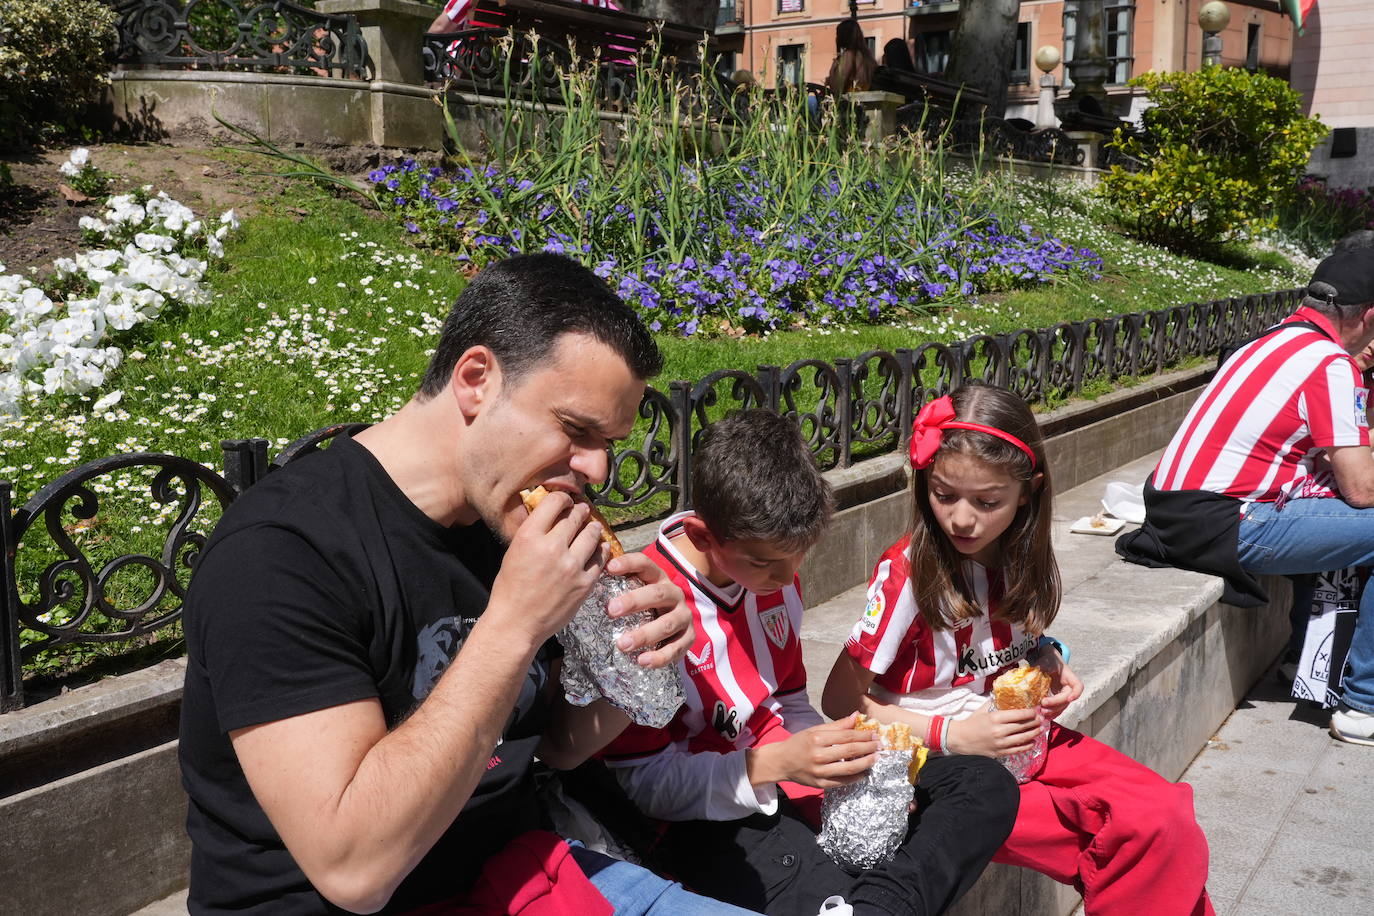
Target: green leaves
{"points": [[52, 64], [1221, 148]]}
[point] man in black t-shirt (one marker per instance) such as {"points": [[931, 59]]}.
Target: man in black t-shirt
{"points": [[371, 670]]}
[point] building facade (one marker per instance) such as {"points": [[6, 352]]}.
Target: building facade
{"points": [[794, 40], [1331, 69]]}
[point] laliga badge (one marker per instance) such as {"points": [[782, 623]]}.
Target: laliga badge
{"points": [[1361, 407], [873, 614]]}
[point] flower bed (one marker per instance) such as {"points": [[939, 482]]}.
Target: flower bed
{"points": [[149, 254], [853, 256]]}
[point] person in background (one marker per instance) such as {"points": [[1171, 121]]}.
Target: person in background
{"points": [[852, 69], [1227, 497]]}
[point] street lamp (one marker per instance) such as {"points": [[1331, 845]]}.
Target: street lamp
{"points": [[853, 9], [1213, 17], [1046, 58]]}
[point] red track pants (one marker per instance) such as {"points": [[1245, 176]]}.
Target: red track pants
{"points": [[1120, 833]]}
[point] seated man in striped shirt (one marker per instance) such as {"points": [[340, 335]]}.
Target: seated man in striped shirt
{"points": [[1285, 408], [747, 730]]}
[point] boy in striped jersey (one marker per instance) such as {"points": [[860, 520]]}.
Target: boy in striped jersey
{"points": [[738, 773]]}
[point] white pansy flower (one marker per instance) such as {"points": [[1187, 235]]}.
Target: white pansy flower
{"points": [[122, 315]]}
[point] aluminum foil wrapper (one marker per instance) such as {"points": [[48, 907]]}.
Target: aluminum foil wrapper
{"points": [[1026, 765], [593, 667], [863, 823]]}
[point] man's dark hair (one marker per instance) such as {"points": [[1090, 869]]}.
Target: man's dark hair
{"points": [[518, 307], [753, 478]]}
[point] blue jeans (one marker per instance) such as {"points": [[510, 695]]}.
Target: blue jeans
{"points": [[1316, 535], [636, 891]]}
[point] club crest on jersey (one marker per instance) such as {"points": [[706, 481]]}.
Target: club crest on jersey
{"points": [[700, 662], [775, 625], [873, 613], [1361, 406], [726, 721]]}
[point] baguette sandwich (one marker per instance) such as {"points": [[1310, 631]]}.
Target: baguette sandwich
{"points": [[896, 736], [534, 497]]}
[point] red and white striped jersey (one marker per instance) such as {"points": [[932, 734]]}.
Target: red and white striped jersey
{"points": [[1270, 408], [744, 685], [940, 671]]}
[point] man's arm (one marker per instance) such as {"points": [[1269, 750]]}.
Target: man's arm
{"points": [[1353, 466], [358, 807]]}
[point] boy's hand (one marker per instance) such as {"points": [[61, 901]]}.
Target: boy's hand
{"points": [[1065, 688], [995, 732], [671, 631], [822, 756]]}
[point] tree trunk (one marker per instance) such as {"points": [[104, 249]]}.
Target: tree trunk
{"points": [[980, 52]]}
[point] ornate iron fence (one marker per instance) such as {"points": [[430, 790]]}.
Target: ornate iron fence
{"points": [[517, 64], [863, 404], [276, 35], [988, 136]]}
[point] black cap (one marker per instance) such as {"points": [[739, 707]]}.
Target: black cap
{"points": [[1350, 273]]}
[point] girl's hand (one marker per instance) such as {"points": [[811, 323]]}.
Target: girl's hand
{"points": [[995, 732], [1065, 688]]}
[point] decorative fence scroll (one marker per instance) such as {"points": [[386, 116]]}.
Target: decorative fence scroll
{"points": [[276, 35], [864, 404], [524, 65]]}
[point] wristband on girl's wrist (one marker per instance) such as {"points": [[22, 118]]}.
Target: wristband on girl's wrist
{"points": [[937, 734], [1051, 641], [933, 734]]}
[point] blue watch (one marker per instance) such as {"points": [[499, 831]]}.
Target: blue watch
{"points": [[1051, 641]]}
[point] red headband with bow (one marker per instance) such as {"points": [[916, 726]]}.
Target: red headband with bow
{"points": [[927, 432]]}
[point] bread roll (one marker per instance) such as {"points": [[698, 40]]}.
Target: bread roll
{"points": [[532, 498], [896, 736], [1021, 688]]}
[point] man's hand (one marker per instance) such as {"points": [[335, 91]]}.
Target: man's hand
{"points": [[669, 635], [822, 756], [1065, 688], [995, 732], [550, 566]]}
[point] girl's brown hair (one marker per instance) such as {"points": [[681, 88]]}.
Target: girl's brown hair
{"points": [[1030, 575]]}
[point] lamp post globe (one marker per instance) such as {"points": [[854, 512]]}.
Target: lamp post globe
{"points": [[1214, 16], [1047, 58]]}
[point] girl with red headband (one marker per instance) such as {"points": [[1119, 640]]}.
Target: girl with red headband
{"points": [[966, 594]]}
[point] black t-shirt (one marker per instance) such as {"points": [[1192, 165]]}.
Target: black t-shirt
{"points": [[324, 584]]}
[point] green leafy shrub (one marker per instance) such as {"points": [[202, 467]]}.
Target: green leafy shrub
{"points": [[52, 64], [1220, 149]]}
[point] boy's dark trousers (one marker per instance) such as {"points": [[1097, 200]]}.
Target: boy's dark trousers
{"points": [[772, 863]]}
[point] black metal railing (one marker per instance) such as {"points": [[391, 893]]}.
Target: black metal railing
{"points": [[989, 136], [862, 405], [523, 65], [275, 35]]}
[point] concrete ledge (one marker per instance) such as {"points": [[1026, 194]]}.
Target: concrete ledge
{"points": [[98, 843]]}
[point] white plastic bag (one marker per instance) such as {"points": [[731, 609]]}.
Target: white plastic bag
{"points": [[1125, 501], [1321, 668]]}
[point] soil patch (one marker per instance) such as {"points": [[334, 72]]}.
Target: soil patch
{"points": [[37, 224]]}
